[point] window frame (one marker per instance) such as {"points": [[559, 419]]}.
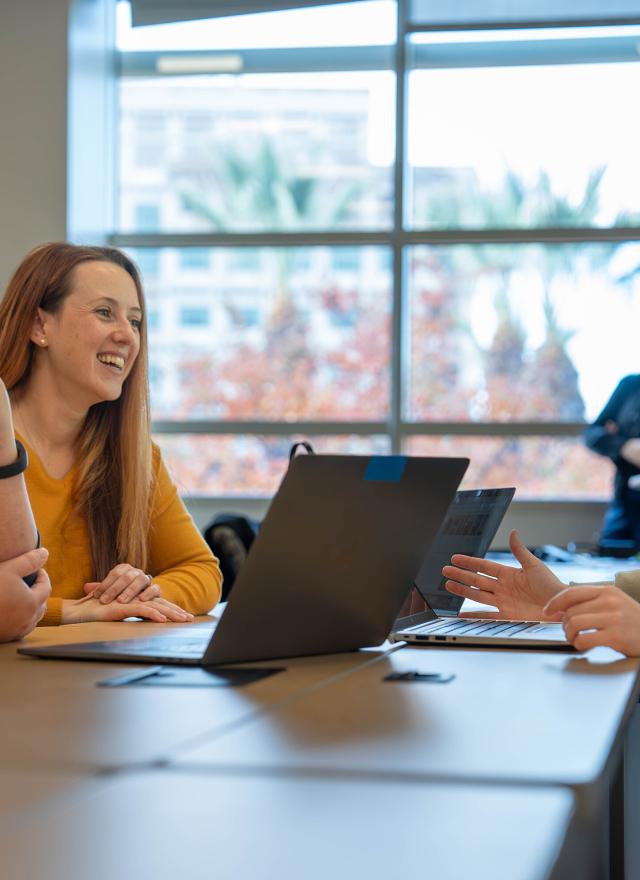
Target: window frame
{"points": [[581, 46]]}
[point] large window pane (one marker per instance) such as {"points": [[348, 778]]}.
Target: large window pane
{"points": [[512, 129], [520, 332], [241, 465], [281, 336], [539, 467], [285, 152], [524, 146]]}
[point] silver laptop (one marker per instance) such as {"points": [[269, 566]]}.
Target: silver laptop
{"points": [[470, 526], [329, 570]]}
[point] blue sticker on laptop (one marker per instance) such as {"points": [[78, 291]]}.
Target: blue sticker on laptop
{"points": [[386, 468]]}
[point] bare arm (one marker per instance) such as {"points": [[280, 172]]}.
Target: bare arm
{"points": [[17, 527]]}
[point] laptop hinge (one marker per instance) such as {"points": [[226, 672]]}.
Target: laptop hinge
{"points": [[414, 619]]}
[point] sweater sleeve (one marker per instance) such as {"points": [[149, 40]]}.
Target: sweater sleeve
{"points": [[180, 560], [53, 614], [629, 583], [596, 435]]}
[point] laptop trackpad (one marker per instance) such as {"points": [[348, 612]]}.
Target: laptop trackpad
{"points": [[187, 676]]}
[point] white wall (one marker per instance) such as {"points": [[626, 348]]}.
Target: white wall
{"points": [[56, 83], [539, 522], [33, 127]]}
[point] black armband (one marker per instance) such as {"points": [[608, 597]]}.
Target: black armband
{"points": [[16, 467], [30, 579]]}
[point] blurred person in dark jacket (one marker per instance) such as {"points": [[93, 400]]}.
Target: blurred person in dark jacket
{"points": [[616, 435]]}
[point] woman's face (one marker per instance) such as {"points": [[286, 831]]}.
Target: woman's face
{"points": [[92, 342]]}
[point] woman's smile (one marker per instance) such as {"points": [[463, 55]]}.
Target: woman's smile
{"points": [[115, 362]]}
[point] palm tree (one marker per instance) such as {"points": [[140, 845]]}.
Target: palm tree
{"points": [[516, 387], [553, 372], [255, 190]]}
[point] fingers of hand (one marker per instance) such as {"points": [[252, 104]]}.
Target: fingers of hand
{"points": [[470, 584], [39, 592], [566, 599], [151, 592], [523, 555], [126, 585], [39, 614], [468, 578], [552, 618], [41, 589], [174, 612], [111, 579], [584, 641], [484, 566], [28, 562], [157, 609], [478, 595], [139, 584], [578, 623], [147, 610]]}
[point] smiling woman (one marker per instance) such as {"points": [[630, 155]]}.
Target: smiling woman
{"points": [[73, 355]]}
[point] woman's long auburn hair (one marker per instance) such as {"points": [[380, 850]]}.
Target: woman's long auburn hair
{"points": [[113, 483]]}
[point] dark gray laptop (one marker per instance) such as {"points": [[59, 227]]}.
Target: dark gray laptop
{"points": [[469, 527], [329, 570]]}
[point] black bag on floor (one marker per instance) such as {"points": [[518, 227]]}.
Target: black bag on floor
{"points": [[230, 538]]}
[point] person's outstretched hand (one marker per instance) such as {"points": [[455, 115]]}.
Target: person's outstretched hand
{"points": [[516, 593]]}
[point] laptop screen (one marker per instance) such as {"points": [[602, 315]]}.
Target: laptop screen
{"points": [[469, 527]]}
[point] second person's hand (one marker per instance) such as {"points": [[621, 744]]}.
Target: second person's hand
{"points": [[598, 615], [517, 593]]}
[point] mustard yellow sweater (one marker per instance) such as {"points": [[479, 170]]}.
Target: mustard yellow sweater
{"points": [[179, 559]]}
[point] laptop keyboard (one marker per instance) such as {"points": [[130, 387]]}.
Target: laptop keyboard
{"points": [[472, 626]]}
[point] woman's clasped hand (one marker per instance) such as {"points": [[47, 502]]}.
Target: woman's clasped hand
{"points": [[124, 583]]}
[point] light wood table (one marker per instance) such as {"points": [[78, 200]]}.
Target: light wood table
{"points": [[515, 716], [54, 713], [24, 792], [162, 825], [324, 770], [528, 718]]}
